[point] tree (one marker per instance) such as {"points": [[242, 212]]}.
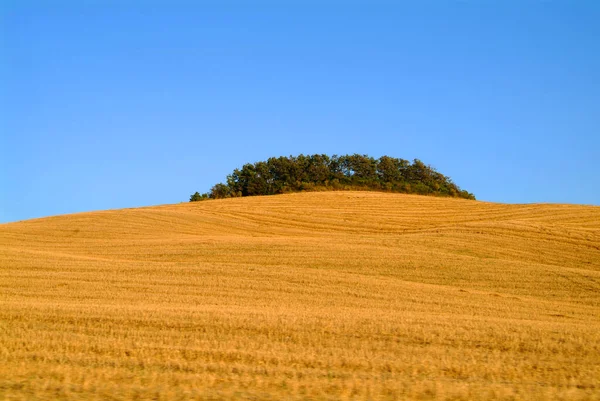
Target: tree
{"points": [[388, 169], [220, 191], [285, 174], [196, 197], [364, 169], [318, 169]]}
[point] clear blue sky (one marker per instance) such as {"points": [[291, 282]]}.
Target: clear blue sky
{"points": [[122, 104]]}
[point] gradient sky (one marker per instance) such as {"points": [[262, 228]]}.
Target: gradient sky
{"points": [[123, 104]]}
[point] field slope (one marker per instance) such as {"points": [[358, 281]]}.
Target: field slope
{"points": [[335, 295]]}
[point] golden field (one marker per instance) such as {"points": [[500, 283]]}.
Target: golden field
{"points": [[311, 296]]}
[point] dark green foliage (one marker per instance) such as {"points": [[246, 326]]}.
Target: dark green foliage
{"points": [[322, 172], [219, 191], [197, 197]]}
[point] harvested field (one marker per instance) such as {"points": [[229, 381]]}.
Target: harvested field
{"points": [[310, 296]]}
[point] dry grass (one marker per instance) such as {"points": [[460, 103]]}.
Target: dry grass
{"points": [[324, 296]]}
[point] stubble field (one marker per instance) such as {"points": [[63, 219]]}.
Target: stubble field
{"points": [[313, 296]]}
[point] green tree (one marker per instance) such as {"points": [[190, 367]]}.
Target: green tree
{"points": [[388, 169], [196, 197], [284, 174], [220, 191]]}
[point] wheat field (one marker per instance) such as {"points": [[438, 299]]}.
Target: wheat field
{"points": [[311, 296]]}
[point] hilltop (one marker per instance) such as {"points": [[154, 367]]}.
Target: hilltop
{"points": [[315, 295], [279, 175]]}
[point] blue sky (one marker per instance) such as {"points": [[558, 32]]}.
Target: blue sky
{"points": [[123, 104]]}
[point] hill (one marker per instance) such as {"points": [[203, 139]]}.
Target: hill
{"points": [[329, 295]]}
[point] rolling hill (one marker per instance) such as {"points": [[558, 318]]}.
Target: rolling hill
{"points": [[321, 296]]}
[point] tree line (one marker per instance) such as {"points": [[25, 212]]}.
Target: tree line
{"points": [[317, 172]]}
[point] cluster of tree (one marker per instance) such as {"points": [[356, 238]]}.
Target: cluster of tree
{"points": [[321, 172]]}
